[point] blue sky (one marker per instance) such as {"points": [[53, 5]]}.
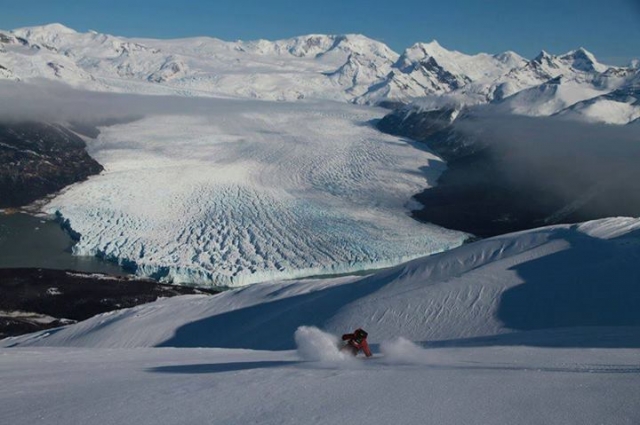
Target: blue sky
{"points": [[609, 28]]}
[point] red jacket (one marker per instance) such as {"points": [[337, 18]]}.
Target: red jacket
{"points": [[357, 344]]}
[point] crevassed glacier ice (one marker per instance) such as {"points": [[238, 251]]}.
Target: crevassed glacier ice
{"points": [[252, 191]]}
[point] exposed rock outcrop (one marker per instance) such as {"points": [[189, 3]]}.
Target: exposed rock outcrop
{"points": [[35, 299], [37, 159]]}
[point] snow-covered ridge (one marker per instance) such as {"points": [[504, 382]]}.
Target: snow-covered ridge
{"points": [[430, 69], [574, 85], [288, 69]]}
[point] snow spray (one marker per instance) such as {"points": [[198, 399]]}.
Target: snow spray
{"points": [[401, 350], [316, 345]]}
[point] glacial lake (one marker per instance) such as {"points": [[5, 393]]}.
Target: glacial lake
{"points": [[28, 241]]}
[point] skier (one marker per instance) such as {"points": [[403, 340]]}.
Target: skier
{"points": [[355, 342]]}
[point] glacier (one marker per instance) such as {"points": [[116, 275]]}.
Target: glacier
{"points": [[251, 191]]}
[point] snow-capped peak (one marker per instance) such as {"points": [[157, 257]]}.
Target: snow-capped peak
{"points": [[44, 31], [52, 28], [302, 46], [421, 51], [575, 61], [315, 45], [432, 48], [427, 69], [634, 64], [510, 58], [582, 53], [50, 36], [411, 56], [464, 67], [542, 57], [583, 60], [433, 44]]}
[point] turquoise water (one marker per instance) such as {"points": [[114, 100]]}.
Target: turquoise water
{"points": [[28, 241]]}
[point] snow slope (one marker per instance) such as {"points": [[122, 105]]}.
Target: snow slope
{"points": [[247, 191], [620, 106], [555, 358], [549, 98], [513, 385]]}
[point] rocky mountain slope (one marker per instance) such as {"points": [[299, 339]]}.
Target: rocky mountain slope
{"points": [[37, 159]]}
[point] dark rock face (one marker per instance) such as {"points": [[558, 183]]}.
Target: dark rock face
{"points": [[430, 127], [37, 159], [452, 82], [415, 125], [67, 297]]}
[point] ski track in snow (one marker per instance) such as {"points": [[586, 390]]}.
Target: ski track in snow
{"points": [[254, 191]]}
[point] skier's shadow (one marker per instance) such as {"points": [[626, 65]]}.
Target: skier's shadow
{"points": [[219, 367]]}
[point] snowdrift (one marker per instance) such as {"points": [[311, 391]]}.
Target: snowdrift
{"points": [[572, 276]]}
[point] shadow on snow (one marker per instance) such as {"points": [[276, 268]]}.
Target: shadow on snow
{"points": [[595, 282], [271, 326], [219, 367]]}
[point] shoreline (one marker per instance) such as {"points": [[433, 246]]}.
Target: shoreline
{"points": [[38, 241]]}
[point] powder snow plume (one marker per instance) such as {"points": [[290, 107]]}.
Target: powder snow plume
{"points": [[401, 350], [316, 345]]}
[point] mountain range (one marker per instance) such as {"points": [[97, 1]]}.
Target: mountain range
{"points": [[352, 68]]}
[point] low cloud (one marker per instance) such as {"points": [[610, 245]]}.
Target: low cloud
{"points": [[43, 100], [564, 156]]}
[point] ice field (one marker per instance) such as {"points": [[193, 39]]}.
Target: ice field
{"points": [[239, 192]]}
